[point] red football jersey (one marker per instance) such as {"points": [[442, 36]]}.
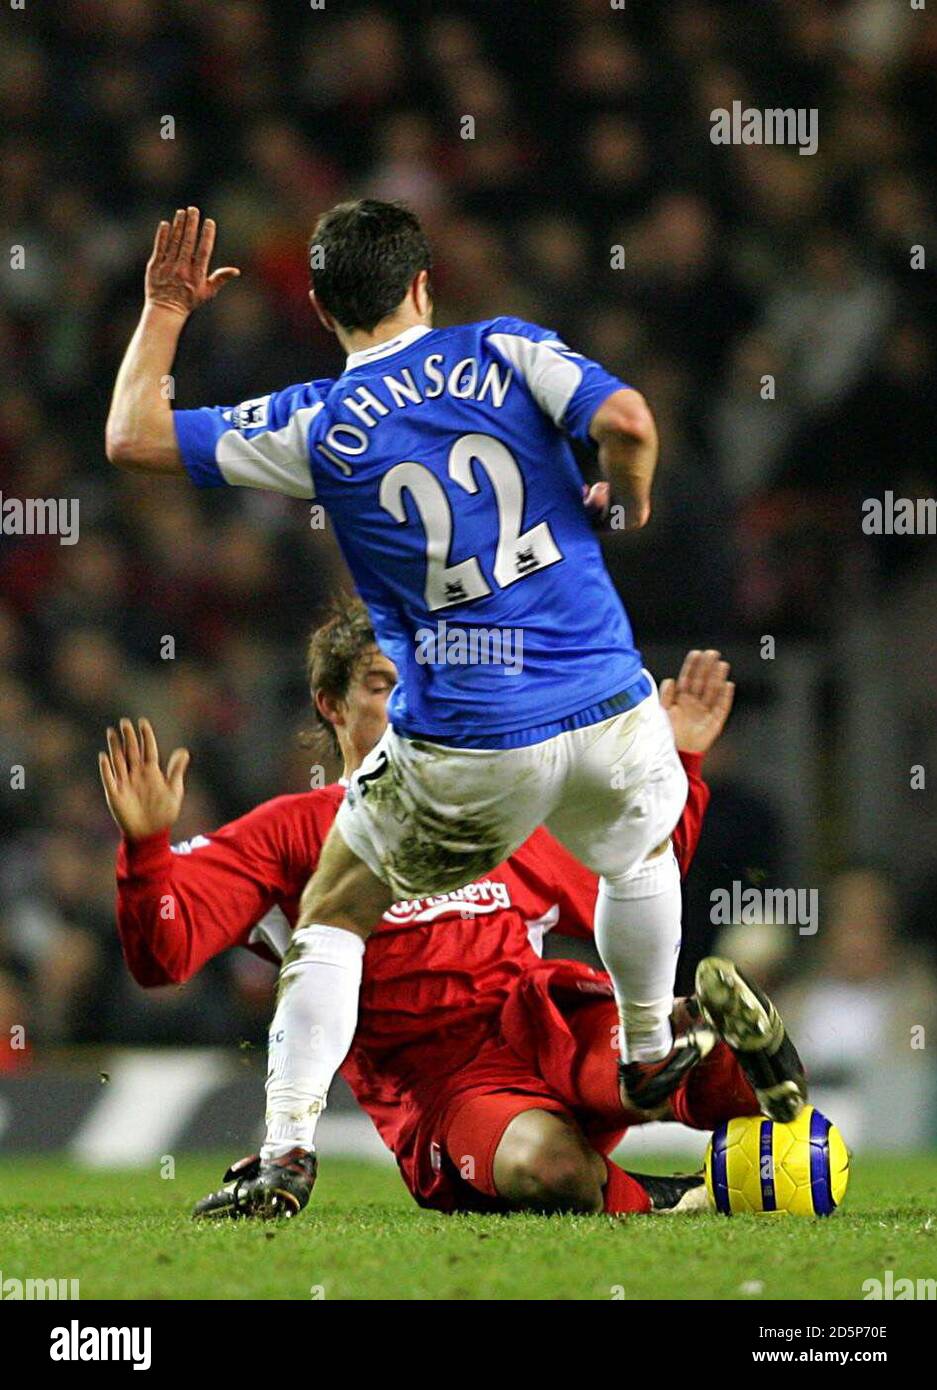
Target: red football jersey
{"points": [[436, 970]]}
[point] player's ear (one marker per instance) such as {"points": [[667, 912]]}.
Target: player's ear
{"points": [[325, 318], [421, 293], [330, 707]]}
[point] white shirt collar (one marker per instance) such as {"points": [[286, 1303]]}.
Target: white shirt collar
{"points": [[392, 345]]}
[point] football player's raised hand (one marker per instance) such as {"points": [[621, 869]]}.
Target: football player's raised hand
{"points": [[141, 798], [699, 701], [177, 275]]}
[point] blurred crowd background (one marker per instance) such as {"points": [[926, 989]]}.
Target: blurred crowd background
{"points": [[591, 132]]}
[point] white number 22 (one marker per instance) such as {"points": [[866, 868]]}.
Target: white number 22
{"points": [[518, 553]]}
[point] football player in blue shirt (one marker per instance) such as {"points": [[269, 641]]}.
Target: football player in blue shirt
{"points": [[443, 459]]}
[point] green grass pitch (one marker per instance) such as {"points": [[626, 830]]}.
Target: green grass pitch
{"points": [[129, 1236]]}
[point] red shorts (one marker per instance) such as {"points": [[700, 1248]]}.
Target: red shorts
{"points": [[556, 1050]]}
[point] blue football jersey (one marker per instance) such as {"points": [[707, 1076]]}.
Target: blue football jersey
{"points": [[443, 460]]}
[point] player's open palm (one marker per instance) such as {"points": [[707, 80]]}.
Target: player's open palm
{"points": [[177, 272], [698, 701], [141, 797]]}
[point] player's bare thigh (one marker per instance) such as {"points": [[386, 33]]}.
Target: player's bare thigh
{"points": [[343, 892]]}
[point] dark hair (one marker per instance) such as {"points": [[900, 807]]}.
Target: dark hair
{"points": [[335, 650], [362, 259]]}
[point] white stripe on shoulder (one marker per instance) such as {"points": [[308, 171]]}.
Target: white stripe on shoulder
{"points": [[275, 459], [553, 379]]}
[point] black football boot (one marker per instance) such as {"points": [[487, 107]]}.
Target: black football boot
{"points": [[677, 1194], [747, 1021], [280, 1187], [649, 1085]]}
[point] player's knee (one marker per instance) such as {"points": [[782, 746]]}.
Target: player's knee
{"points": [[548, 1172], [556, 1178]]}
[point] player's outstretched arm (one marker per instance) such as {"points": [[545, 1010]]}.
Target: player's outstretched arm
{"points": [[698, 702], [624, 430], [176, 912], [140, 434]]}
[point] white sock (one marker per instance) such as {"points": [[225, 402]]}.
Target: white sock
{"points": [[314, 1023], [637, 932]]}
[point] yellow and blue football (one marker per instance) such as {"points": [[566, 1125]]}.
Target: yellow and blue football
{"points": [[755, 1165]]}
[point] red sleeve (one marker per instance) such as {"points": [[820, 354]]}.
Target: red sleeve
{"points": [[573, 887], [177, 910], [554, 880], [687, 830]]}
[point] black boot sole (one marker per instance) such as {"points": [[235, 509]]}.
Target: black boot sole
{"points": [[747, 1021]]}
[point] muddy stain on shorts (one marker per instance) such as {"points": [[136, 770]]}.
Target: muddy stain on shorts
{"points": [[434, 853]]}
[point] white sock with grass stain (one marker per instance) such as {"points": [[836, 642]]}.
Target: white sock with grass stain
{"points": [[312, 1030]]}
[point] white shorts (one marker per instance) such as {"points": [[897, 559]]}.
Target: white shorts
{"points": [[427, 818]]}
